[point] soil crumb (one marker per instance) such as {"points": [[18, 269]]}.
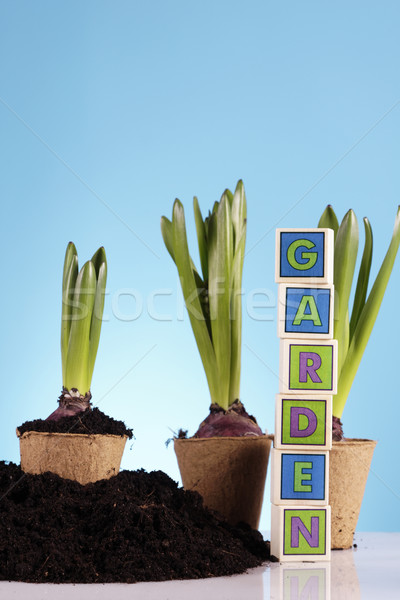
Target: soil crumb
{"points": [[136, 526], [88, 421]]}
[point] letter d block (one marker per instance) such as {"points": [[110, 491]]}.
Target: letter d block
{"points": [[308, 367], [303, 422], [299, 477], [304, 255], [301, 533]]}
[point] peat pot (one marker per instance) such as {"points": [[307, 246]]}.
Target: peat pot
{"points": [[349, 464], [228, 472], [83, 457]]}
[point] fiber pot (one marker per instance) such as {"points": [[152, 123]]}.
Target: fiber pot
{"points": [[229, 472], [83, 457], [349, 464]]}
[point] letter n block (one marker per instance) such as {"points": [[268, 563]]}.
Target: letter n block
{"points": [[303, 422], [305, 312], [308, 367], [301, 533], [308, 582], [304, 255], [299, 477]]}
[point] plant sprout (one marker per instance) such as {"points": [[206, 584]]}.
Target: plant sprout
{"points": [[352, 329], [213, 299], [82, 310]]}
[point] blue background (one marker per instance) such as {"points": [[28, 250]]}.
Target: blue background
{"points": [[322, 299], [317, 472], [110, 110]]}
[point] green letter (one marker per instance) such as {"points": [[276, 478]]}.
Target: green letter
{"points": [[311, 256], [299, 477], [313, 315]]}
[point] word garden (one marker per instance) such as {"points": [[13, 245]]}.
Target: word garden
{"points": [[300, 511]]}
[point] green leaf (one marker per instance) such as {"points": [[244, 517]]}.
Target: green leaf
{"points": [[100, 264], [366, 322], [229, 195], [329, 219], [70, 273], [239, 220], [236, 320], [363, 278], [220, 265], [192, 301], [346, 247], [76, 375], [239, 213], [166, 231], [201, 238]]}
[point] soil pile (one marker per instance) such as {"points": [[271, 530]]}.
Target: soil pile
{"points": [[88, 421], [134, 527]]}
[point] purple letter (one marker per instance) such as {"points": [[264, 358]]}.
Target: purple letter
{"points": [[311, 417], [312, 538], [305, 368]]}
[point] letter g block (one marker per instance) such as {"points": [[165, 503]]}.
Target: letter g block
{"points": [[304, 255]]}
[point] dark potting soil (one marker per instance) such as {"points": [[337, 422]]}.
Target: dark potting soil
{"points": [[136, 526], [88, 421]]}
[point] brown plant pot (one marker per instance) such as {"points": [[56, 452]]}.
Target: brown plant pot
{"points": [[83, 457], [349, 464], [229, 472]]}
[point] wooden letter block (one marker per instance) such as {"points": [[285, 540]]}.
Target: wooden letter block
{"points": [[308, 367], [303, 422], [305, 312], [299, 478], [304, 255], [311, 582], [301, 533]]}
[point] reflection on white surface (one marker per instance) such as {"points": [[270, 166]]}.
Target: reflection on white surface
{"points": [[300, 581], [370, 571]]}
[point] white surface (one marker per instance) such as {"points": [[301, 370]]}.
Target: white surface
{"points": [[372, 570]]}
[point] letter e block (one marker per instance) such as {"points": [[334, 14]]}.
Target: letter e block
{"points": [[304, 255], [308, 367], [301, 533], [299, 478], [303, 422], [305, 312]]}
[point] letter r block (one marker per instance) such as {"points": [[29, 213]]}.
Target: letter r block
{"points": [[303, 422], [301, 533], [299, 477], [307, 367], [304, 255], [305, 312]]}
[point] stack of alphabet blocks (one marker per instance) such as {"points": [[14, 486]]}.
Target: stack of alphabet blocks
{"points": [[300, 512]]}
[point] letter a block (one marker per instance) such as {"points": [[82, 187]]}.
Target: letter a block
{"points": [[308, 367], [301, 533], [304, 255], [299, 477], [303, 422], [305, 312]]}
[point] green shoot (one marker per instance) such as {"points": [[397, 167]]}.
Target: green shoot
{"points": [[353, 334], [213, 299], [82, 311]]}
